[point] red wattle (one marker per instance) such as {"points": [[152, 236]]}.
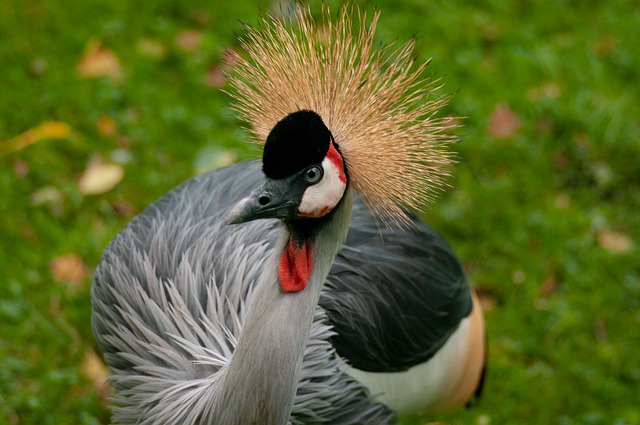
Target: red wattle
{"points": [[296, 263]]}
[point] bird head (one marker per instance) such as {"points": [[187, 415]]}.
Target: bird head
{"points": [[318, 95], [305, 176]]}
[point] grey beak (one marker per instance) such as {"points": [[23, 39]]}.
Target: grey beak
{"points": [[274, 199]]}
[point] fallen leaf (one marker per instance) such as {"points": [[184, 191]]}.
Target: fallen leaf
{"points": [[486, 298], [94, 368], [46, 130], [100, 178], [563, 201], [518, 277], [189, 40], [215, 77], [561, 159], [604, 47], [614, 242], [20, 168], [201, 17], [151, 48], [98, 61], [210, 158], [581, 139], [123, 208], [602, 173], [121, 156], [548, 287], [47, 195], [483, 420], [123, 142], [69, 268], [106, 126], [600, 329], [544, 126], [547, 91], [503, 122], [38, 66]]}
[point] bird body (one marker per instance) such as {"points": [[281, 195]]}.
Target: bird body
{"points": [[169, 307], [274, 296]]}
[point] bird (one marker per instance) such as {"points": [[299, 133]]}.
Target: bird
{"points": [[302, 288]]}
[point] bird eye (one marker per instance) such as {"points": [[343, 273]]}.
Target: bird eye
{"points": [[313, 174]]}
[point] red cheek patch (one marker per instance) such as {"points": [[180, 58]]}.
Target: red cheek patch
{"points": [[334, 156], [296, 263]]}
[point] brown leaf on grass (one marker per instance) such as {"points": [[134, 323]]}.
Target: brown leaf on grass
{"points": [[212, 158], [563, 201], [98, 61], [483, 420], [503, 122], [151, 48], [94, 368], [600, 329], [123, 208], [100, 178], [547, 91], [124, 142], [46, 130], [201, 17], [69, 268], [518, 277], [38, 66], [189, 40], [604, 47], [215, 77], [486, 298], [614, 242], [581, 139], [48, 195], [107, 127], [20, 168], [548, 287]]}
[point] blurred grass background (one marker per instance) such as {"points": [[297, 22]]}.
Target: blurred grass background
{"points": [[106, 105]]}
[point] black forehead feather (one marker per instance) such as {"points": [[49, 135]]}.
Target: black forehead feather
{"points": [[297, 141]]}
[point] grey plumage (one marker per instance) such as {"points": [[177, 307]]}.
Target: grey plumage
{"points": [[170, 296], [172, 291]]}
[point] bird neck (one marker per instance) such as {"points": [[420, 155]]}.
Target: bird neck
{"points": [[262, 377]]}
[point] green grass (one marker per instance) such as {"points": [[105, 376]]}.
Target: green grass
{"points": [[529, 214]]}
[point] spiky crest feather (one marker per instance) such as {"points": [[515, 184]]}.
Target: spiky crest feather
{"points": [[375, 102]]}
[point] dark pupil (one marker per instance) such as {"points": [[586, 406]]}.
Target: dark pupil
{"points": [[313, 174]]}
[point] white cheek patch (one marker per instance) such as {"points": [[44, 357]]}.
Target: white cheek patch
{"points": [[322, 197]]}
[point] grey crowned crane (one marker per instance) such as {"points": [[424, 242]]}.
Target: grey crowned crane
{"points": [[331, 302]]}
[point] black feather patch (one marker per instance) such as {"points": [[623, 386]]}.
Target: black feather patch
{"points": [[297, 141], [393, 298]]}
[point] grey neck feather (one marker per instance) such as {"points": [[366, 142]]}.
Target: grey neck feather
{"points": [[260, 382]]}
